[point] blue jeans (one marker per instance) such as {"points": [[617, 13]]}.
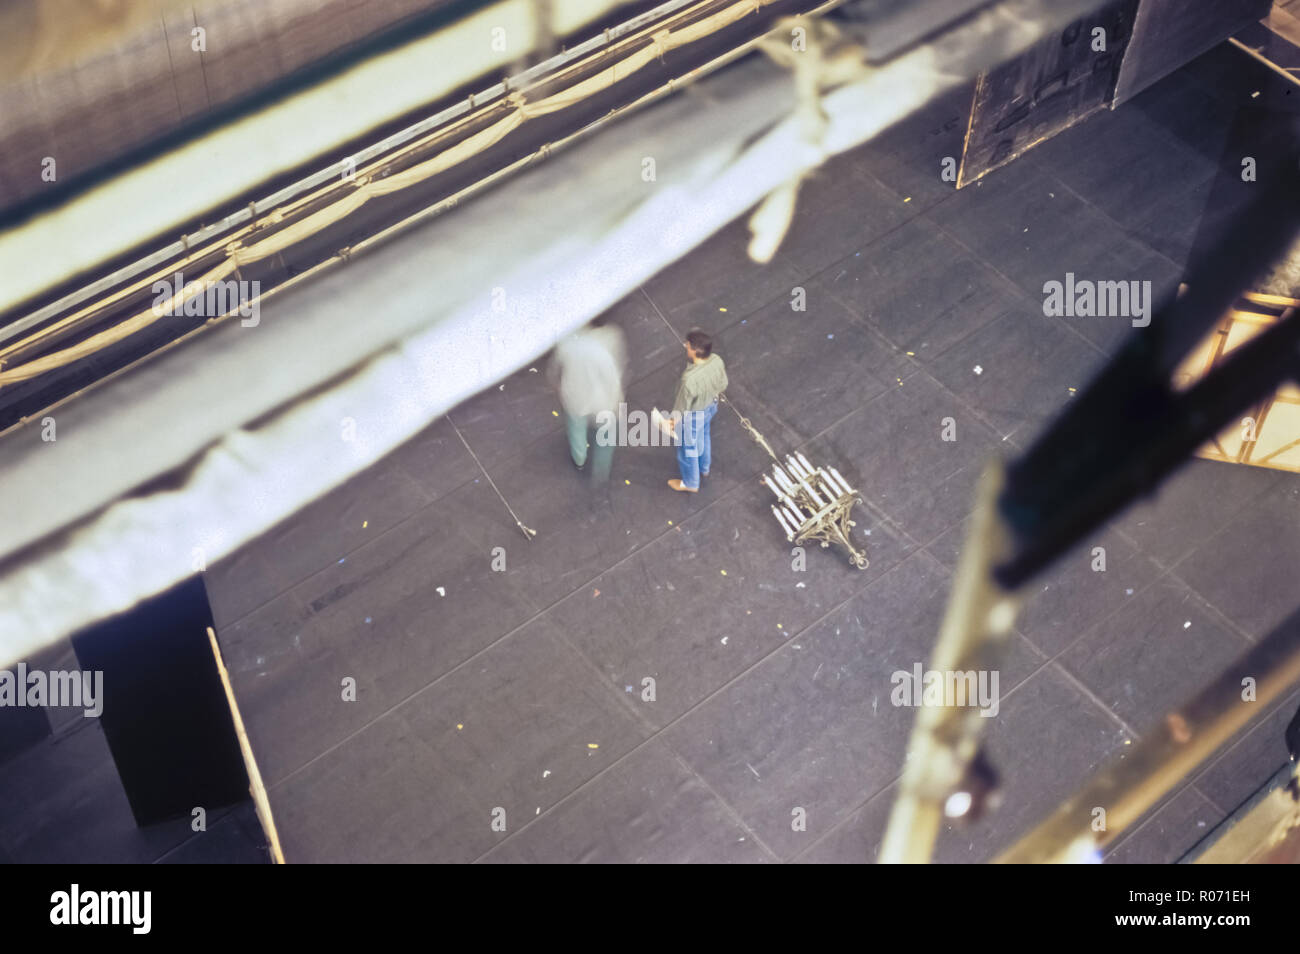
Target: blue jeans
{"points": [[695, 450]]}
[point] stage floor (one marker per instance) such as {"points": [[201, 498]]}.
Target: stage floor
{"points": [[483, 693]]}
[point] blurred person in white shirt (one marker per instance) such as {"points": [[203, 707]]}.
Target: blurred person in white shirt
{"points": [[588, 370]]}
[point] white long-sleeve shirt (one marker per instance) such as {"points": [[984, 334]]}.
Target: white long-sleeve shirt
{"points": [[590, 366]]}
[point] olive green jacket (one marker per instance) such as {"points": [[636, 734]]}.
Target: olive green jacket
{"points": [[701, 384]]}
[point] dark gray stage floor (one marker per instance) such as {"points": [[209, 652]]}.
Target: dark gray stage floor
{"points": [[521, 690]]}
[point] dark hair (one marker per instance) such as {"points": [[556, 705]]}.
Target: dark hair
{"points": [[701, 343]]}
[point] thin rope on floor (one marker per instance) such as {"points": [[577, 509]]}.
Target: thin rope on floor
{"points": [[528, 531]]}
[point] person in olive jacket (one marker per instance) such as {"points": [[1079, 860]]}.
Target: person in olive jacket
{"points": [[696, 402]]}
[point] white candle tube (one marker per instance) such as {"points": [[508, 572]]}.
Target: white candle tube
{"points": [[784, 523], [806, 466], [797, 517], [834, 488], [782, 479], [768, 480], [836, 474], [829, 489], [812, 493], [793, 465]]}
